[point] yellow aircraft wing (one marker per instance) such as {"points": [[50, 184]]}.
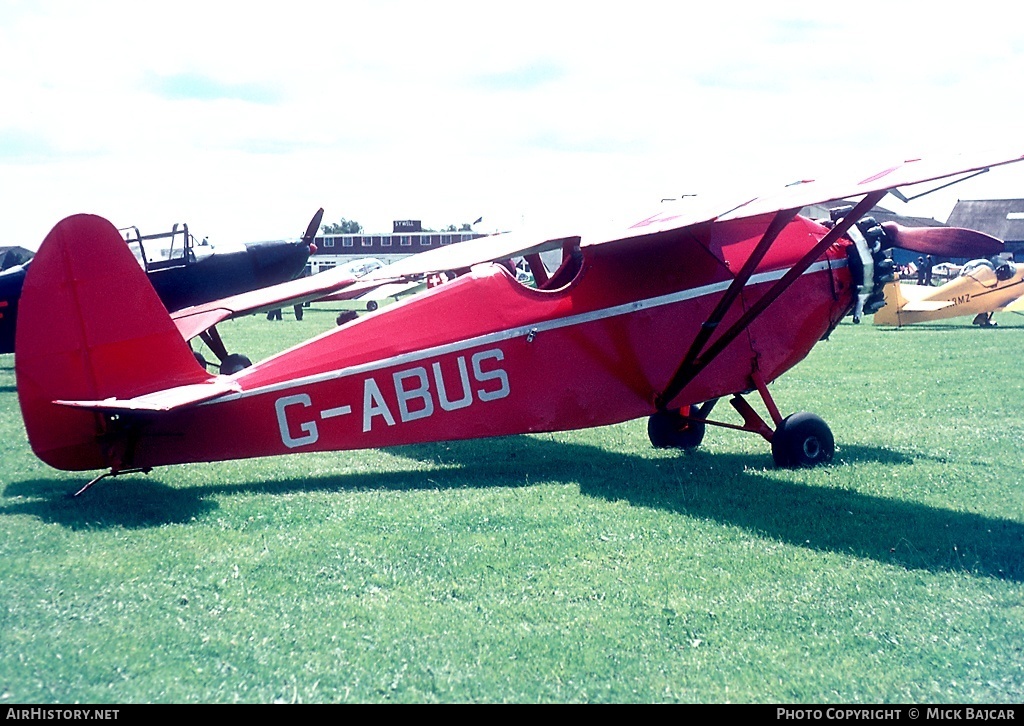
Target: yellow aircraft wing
{"points": [[926, 306]]}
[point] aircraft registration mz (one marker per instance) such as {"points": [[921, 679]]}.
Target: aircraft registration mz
{"points": [[414, 397]]}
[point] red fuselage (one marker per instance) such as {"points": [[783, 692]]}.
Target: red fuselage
{"points": [[484, 355]]}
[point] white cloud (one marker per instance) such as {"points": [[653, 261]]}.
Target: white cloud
{"points": [[242, 118]]}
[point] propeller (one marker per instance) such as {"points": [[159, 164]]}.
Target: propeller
{"points": [[314, 226], [312, 229], [941, 241]]}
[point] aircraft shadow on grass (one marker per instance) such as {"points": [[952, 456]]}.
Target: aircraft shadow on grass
{"points": [[733, 489]]}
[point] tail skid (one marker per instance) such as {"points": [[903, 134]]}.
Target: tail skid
{"points": [[91, 328]]}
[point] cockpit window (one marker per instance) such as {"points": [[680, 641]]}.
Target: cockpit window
{"points": [[990, 272], [975, 266]]}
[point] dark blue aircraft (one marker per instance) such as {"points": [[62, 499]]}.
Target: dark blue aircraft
{"points": [[185, 272]]}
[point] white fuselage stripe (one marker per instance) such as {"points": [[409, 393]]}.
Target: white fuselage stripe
{"points": [[521, 331]]}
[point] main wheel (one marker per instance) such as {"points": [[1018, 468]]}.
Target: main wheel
{"points": [[670, 430], [802, 439], [234, 363]]}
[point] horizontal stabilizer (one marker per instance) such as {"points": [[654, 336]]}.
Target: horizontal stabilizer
{"points": [[925, 306], [159, 401]]}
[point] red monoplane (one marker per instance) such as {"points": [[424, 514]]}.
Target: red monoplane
{"points": [[660, 319]]}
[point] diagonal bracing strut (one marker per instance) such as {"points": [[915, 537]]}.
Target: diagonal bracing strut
{"points": [[778, 224], [700, 355]]}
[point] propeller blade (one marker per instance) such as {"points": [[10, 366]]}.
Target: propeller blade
{"points": [[943, 241], [314, 225]]}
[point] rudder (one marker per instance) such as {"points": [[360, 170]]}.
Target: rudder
{"points": [[90, 327], [889, 314]]}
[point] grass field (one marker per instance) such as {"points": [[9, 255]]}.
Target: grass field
{"points": [[582, 566]]}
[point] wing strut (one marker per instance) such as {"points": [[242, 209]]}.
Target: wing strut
{"points": [[905, 199], [707, 329], [215, 343], [695, 362]]}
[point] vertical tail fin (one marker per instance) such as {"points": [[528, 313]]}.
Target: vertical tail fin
{"points": [[894, 303], [90, 326]]}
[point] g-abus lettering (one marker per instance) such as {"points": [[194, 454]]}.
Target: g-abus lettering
{"points": [[407, 395]]}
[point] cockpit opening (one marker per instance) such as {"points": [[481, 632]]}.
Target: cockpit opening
{"points": [[1002, 268], [556, 269]]}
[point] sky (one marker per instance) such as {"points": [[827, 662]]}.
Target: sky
{"points": [[242, 118]]}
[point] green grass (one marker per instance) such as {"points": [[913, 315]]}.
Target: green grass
{"points": [[583, 566]]}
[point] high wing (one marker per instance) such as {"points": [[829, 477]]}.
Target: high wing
{"points": [[783, 206], [794, 197], [391, 289], [473, 252], [332, 284], [909, 173]]}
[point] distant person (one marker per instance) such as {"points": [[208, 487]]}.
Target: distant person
{"points": [[928, 264], [920, 271], [274, 314]]}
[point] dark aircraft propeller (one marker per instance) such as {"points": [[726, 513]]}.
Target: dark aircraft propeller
{"points": [[941, 241], [312, 229]]}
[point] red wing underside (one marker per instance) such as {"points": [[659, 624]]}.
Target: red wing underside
{"points": [[329, 285]]}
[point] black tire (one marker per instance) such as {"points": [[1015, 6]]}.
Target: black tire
{"points": [[669, 430], [200, 359], [802, 440], [346, 317], [371, 305], [234, 363]]}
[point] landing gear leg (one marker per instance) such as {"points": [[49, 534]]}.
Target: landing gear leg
{"points": [[680, 428], [229, 363], [799, 440], [802, 440]]}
